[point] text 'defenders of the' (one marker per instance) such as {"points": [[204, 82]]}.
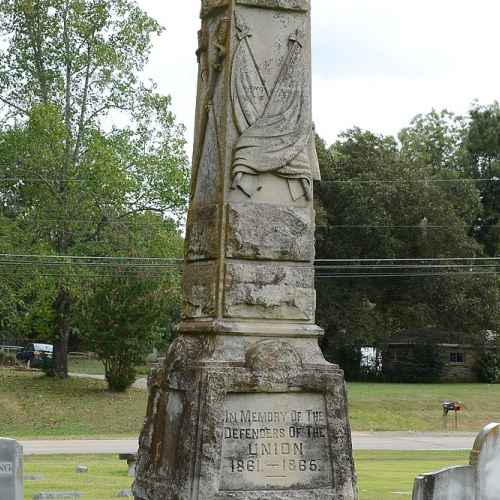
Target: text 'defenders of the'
{"points": [[275, 441]]}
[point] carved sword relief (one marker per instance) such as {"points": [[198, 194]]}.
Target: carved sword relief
{"points": [[210, 72], [275, 126]]}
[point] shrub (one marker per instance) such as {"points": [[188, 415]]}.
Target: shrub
{"points": [[119, 376], [488, 367], [7, 359], [420, 364], [46, 364]]}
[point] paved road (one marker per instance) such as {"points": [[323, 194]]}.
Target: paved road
{"points": [[83, 447], [413, 441], [361, 441]]}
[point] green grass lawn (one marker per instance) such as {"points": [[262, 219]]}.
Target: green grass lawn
{"points": [[95, 367], [35, 406], [403, 407], [389, 475], [106, 477], [382, 475]]}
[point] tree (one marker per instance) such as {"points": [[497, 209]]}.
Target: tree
{"points": [[126, 313], [435, 140], [483, 147], [377, 203], [68, 70], [125, 318]]}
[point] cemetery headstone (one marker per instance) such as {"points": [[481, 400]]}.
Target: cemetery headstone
{"points": [[34, 477], [11, 470], [245, 405], [479, 480], [125, 494], [47, 495], [131, 459]]}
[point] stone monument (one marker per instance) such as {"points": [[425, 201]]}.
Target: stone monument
{"points": [[245, 406], [11, 470], [480, 480]]}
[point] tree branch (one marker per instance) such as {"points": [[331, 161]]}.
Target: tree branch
{"points": [[15, 106], [83, 109], [140, 209]]}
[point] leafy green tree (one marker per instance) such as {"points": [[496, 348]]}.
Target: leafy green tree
{"points": [[125, 318], [68, 71], [483, 148], [377, 203], [435, 140], [488, 367], [127, 313], [421, 364]]}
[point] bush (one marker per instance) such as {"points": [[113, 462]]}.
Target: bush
{"points": [[488, 367], [7, 359], [119, 376], [420, 364], [46, 364]]}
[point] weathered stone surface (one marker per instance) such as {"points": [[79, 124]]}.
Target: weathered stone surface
{"points": [[199, 290], [478, 481], [269, 291], [131, 459], [208, 6], [272, 354], [11, 470], [300, 5], [202, 235], [269, 232], [302, 408], [248, 344], [275, 442]]}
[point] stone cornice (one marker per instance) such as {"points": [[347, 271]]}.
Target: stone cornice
{"points": [[209, 6]]}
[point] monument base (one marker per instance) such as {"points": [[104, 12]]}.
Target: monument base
{"points": [[246, 417]]}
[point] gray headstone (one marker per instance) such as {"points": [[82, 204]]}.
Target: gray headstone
{"points": [[125, 494], [131, 459], [11, 470], [82, 469], [57, 494], [478, 481], [34, 477]]}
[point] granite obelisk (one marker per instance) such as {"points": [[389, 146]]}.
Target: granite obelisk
{"points": [[245, 406]]}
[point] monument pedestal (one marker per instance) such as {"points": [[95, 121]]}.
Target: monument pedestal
{"points": [[246, 407], [246, 418]]}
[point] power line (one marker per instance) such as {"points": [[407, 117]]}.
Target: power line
{"points": [[420, 227], [406, 275], [331, 181], [397, 181], [90, 257], [413, 259]]}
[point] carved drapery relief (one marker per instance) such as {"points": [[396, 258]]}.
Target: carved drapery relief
{"points": [[276, 134]]}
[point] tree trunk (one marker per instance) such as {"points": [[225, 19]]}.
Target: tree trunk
{"points": [[62, 309]]}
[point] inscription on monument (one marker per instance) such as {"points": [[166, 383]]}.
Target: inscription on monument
{"points": [[6, 469], [11, 470], [274, 442]]}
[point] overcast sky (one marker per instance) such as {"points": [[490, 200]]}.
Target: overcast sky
{"points": [[376, 63]]}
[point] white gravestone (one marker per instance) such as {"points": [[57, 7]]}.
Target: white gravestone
{"points": [[478, 481], [11, 470]]}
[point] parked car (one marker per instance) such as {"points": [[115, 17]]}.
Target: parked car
{"points": [[34, 355]]}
